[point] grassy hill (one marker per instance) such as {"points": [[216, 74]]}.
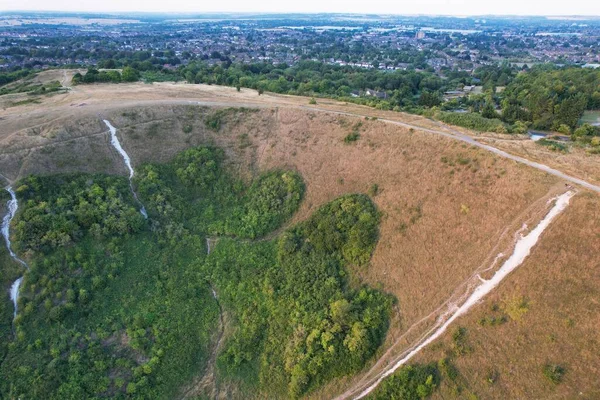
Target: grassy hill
{"points": [[445, 210]]}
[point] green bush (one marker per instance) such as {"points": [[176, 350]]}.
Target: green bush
{"points": [[413, 382], [553, 372]]}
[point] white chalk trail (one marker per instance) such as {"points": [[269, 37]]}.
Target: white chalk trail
{"points": [[522, 250], [12, 206], [14, 295], [114, 140]]}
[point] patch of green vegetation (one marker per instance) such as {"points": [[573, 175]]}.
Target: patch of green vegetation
{"points": [[47, 88], [267, 203], [516, 307], [298, 323], [373, 190], [351, 137], [460, 345], [472, 121], [117, 306], [25, 102], [215, 120], [11, 270], [492, 320], [463, 160], [497, 318], [553, 372], [188, 128], [551, 97], [58, 210], [31, 88], [92, 75], [195, 190], [354, 135], [413, 382], [554, 145], [159, 76], [105, 311]]}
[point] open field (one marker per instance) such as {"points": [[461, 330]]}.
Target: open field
{"points": [[448, 208]]}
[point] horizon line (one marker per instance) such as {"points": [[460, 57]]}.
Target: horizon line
{"points": [[301, 12]]}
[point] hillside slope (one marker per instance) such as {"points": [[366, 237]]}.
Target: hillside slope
{"points": [[447, 209]]}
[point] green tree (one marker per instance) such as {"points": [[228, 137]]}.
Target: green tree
{"points": [[130, 74]]}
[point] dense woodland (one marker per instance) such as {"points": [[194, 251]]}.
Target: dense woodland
{"points": [[552, 98], [118, 306]]}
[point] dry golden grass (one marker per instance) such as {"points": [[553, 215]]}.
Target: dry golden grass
{"points": [[577, 162], [560, 282]]}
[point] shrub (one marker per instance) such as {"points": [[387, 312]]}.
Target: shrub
{"points": [[373, 190], [213, 121], [413, 382], [516, 308], [553, 145], [553, 372], [351, 137], [459, 342], [354, 135]]}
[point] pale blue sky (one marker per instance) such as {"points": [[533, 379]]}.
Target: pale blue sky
{"points": [[444, 7]]}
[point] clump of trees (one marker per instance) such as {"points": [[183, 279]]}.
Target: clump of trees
{"points": [[548, 97], [268, 202], [104, 310], [59, 210], [128, 74], [297, 322], [195, 190]]}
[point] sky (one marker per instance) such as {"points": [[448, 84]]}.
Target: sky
{"points": [[405, 7]]}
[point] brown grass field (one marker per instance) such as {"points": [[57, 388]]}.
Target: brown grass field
{"points": [[448, 209]]}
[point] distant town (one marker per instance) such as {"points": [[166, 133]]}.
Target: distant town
{"points": [[501, 74], [436, 44]]}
